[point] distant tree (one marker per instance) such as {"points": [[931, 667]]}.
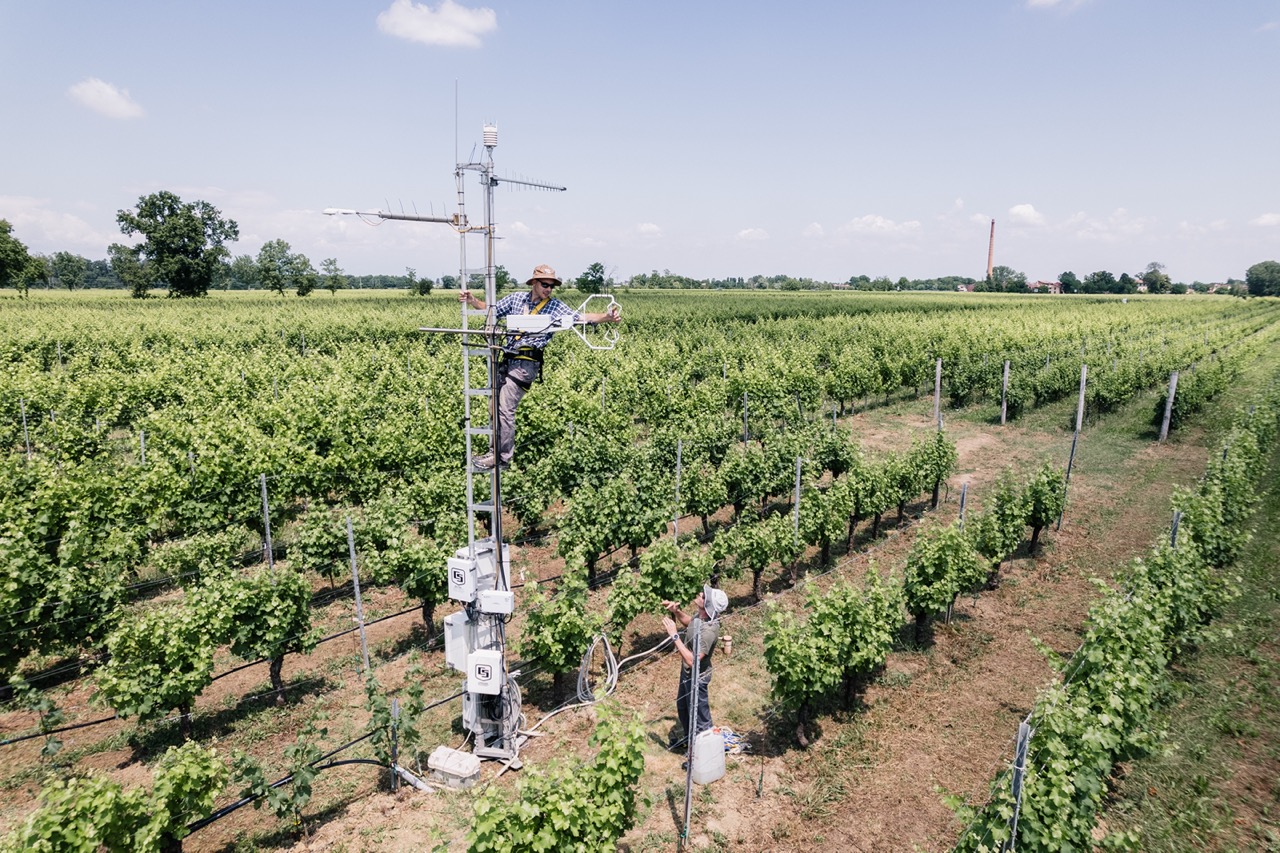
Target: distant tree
{"points": [[40, 271], [245, 272], [137, 274], [15, 261], [305, 277], [1156, 280], [418, 286], [593, 280], [1099, 282], [1263, 279], [98, 274], [69, 269], [1178, 288], [274, 265], [1125, 284], [183, 242], [280, 269], [334, 279], [860, 282], [502, 279], [449, 282], [1008, 280], [1069, 282]]}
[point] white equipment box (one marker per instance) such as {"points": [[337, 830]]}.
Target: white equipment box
{"points": [[484, 672], [452, 768]]}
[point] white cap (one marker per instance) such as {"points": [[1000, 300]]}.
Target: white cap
{"points": [[714, 601]]}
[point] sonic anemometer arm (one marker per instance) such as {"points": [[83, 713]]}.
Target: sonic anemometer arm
{"points": [[536, 324]]}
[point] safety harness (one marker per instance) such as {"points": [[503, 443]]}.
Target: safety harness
{"points": [[526, 353], [529, 353]]}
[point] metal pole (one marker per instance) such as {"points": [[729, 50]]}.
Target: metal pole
{"points": [[142, 443], [26, 436], [1084, 374], [1168, 406], [1173, 535], [691, 731], [796, 521], [1075, 439], [1019, 771], [355, 582], [675, 521], [964, 493], [937, 394], [745, 434], [1004, 394], [395, 744], [266, 524]]}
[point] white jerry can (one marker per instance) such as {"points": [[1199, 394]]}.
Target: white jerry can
{"points": [[708, 757]]}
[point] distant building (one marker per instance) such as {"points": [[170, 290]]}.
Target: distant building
{"points": [[1046, 286]]}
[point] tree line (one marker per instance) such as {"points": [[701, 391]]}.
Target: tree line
{"points": [[183, 248]]}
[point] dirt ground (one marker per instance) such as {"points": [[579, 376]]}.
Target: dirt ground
{"points": [[940, 719]]}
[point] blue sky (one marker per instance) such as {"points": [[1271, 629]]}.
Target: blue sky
{"points": [[818, 139]]}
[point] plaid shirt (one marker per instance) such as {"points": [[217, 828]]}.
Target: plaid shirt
{"points": [[522, 303]]}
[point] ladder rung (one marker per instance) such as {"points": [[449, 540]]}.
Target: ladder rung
{"points": [[477, 353], [479, 431], [483, 506], [479, 392]]}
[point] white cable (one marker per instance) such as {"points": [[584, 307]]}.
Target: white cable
{"points": [[612, 667]]}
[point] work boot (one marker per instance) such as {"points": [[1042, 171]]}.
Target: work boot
{"points": [[485, 463]]}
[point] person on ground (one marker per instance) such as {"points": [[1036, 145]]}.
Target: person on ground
{"points": [[522, 354], [705, 625]]}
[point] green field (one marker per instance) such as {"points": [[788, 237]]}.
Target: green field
{"points": [[142, 435]]}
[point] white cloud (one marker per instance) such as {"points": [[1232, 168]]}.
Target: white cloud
{"points": [[519, 229], [753, 234], [105, 99], [813, 229], [1118, 226], [46, 230], [648, 229], [450, 24], [1193, 229], [1025, 214], [1267, 220], [1050, 4], [1269, 25], [875, 224]]}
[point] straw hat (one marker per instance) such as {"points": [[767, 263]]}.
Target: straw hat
{"points": [[542, 272]]}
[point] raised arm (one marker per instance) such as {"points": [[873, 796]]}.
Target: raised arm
{"points": [[613, 315]]}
